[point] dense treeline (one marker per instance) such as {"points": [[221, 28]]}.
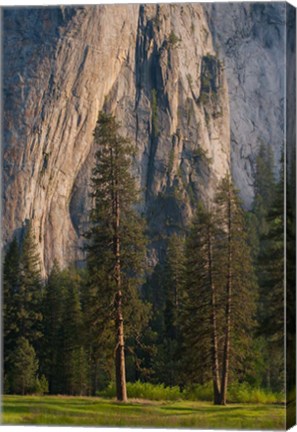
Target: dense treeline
{"points": [[210, 311]]}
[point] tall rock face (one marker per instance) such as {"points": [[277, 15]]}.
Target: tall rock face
{"points": [[155, 68], [251, 40]]}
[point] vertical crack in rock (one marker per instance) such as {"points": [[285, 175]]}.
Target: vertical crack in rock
{"points": [[250, 38], [142, 63]]}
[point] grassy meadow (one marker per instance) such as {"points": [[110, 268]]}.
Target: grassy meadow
{"points": [[86, 411]]}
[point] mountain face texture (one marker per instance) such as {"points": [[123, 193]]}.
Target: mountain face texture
{"points": [[251, 38], [185, 81]]}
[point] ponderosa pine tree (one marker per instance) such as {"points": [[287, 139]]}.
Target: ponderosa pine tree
{"points": [[200, 311], [219, 294], [235, 275], [116, 246]]}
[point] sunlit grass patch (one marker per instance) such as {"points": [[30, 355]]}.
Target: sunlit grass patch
{"points": [[52, 410]]}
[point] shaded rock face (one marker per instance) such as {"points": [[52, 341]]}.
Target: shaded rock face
{"points": [[65, 61], [251, 40], [155, 68]]}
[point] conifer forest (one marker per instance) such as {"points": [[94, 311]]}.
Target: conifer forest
{"points": [[214, 315]]}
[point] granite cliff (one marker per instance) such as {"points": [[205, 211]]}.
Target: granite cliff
{"points": [[168, 73], [252, 40]]}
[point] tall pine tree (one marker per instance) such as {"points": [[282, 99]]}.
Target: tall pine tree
{"points": [[22, 303], [219, 296], [235, 274], [116, 247], [200, 312]]}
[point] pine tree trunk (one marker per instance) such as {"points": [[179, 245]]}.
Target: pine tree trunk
{"points": [[215, 359], [121, 387], [226, 352], [93, 377]]}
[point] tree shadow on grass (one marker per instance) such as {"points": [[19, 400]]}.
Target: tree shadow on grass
{"points": [[219, 409], [15, 409]]}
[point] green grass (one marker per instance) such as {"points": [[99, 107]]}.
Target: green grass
{"points": [[83, 411]]}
